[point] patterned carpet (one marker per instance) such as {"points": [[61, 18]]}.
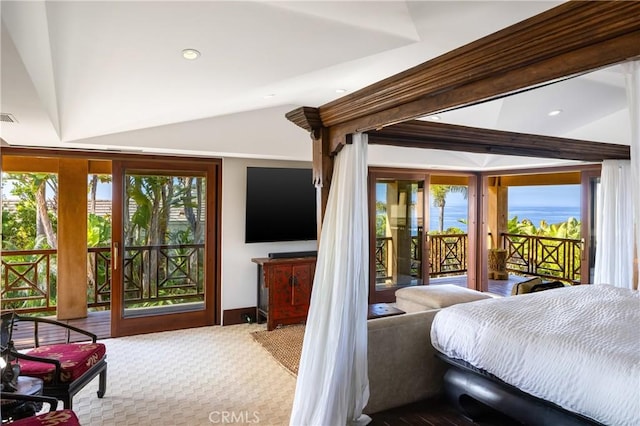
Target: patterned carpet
{"points": [[284, 344], [199, 376]]}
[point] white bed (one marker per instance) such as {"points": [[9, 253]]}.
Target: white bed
{"points": [[577, 347]]}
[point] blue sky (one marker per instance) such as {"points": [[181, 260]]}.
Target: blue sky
{"points": [[533, 196]]}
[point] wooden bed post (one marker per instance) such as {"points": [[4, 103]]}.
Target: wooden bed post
{"points": [[322, 171], [309, 119]]}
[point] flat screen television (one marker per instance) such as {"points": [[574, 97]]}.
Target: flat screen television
{"points": [[281, 205]]}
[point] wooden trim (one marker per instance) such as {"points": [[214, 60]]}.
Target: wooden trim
{"points": [[237, 316], [425, 134], [306, 117], [27, 163], [574, 37], [386, 296], [19, 164], [211, 314], [567, 178], [543, 170], [100, 155], [481, 248], [450, 180], [99, 167], [586, 224], [214, 217], [475, 236]]}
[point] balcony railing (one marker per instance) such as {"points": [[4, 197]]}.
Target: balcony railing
{"points": [[29, 280], [546, 257], [99, 277], [447, 255], [165, 274]]}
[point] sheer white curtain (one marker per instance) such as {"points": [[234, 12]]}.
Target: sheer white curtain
{"points": [[632, 71], [614, 254], [333, 386]]}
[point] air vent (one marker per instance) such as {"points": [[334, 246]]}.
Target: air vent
{"points": [[7, 118]]}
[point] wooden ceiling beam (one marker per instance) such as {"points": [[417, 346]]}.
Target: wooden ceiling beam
{"points": [[426, 134]]}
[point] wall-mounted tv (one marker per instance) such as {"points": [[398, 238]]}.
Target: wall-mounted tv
{"points": [[281, 205]]}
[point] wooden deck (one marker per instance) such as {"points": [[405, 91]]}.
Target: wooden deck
{"points": [[98, 323], [499, 287]]}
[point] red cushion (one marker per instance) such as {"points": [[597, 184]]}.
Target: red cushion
{"points": [[75, 359], [52, 418]]}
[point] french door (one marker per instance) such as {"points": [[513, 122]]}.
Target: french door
{"points": [[398, 232], [165, 248]]}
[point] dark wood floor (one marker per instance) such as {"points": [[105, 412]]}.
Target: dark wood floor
{"points": [[433, 412], [499, 287]]}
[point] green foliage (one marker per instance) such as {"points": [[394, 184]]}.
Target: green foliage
{"points": [[381, 219], [98, 230], [449, 230], [571, 228], [19, 226]]}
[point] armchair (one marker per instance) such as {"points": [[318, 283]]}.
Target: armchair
{"points": [[64, 368], [51, 417]]}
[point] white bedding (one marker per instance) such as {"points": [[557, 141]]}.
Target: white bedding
{"points": [[578, 347]]}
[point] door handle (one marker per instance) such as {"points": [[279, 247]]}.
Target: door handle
{"points": [[114, 257]]}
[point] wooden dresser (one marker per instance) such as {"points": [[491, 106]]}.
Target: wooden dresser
{"points": [[284, 290]]}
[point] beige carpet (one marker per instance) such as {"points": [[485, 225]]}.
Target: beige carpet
{"points": [[284, 344], [189, 377]]}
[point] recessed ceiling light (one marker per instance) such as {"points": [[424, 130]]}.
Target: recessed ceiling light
{"points": [[554, 112], [190, 54], [341, 90], [269, 96], [434, 117]]}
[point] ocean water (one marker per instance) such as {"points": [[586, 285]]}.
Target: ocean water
{"points": [[453, 213]]}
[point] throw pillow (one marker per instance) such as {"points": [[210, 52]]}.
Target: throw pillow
{"points": [[525, 286]]}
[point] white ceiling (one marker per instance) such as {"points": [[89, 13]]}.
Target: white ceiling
{"points": [[110, 74]]}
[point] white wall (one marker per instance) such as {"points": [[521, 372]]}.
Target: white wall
{"points": [[238, 272]]}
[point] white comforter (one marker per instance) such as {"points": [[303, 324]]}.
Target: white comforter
{"points": [[578, 347]]}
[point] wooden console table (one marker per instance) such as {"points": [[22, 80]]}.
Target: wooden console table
{"points": [[284, 290]]}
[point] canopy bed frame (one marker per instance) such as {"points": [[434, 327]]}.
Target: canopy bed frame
{"points": [[566, 41], [569, 40]]}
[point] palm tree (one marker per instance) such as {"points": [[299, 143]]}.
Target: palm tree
{"points": [[439, 195]]}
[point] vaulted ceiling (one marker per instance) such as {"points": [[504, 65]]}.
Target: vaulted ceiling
{"points": [[85, 74]]}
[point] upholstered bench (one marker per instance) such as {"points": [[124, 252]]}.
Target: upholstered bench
{"points": [[424, 297]]}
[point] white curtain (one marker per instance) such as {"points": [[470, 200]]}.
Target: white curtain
{"points": [[614, 253], [333, 385], [632, 71]]}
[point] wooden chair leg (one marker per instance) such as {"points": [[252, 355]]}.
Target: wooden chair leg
{"points": [[67, 401], [102, 383]]}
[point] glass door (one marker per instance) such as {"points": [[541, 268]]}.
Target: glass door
{"points": [[398, 250], [589, 208], [164, 246]]}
